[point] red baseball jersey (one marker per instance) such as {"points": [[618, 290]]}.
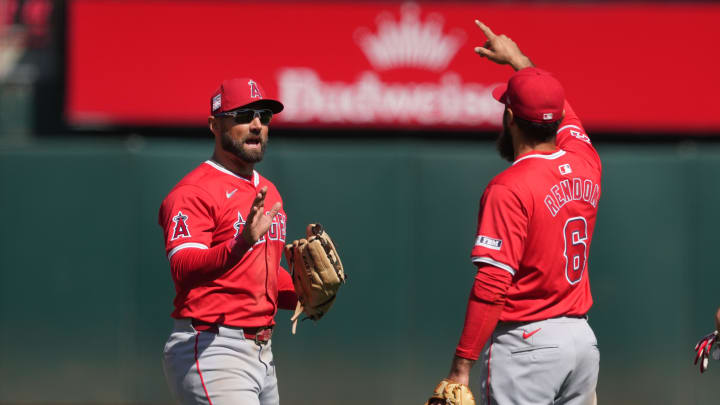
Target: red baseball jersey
{"points": [[209, 207], [536, 221]]}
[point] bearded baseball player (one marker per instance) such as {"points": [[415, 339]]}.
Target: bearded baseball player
{"points": [[225, 232], [526, 316]]}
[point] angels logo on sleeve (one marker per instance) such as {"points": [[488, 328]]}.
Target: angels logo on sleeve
{"points": [[181, 229]]}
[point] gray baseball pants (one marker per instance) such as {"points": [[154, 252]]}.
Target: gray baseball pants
{"points": [[554, 361], [219, 369]]}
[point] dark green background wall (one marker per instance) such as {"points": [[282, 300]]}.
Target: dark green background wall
{"points": [[85, 290]]}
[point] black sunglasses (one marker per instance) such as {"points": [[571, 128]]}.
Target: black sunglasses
{"points": [[246, 115]]}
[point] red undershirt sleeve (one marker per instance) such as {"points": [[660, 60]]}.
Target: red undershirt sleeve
{"points": [[287, 299], [485, 305], [194, 266]]}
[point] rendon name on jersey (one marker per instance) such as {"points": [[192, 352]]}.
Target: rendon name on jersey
{"points": [[536, 221]]}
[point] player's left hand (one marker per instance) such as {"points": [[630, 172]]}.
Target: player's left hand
{"points": [[501, 49], [450, 392], [703, 348], [258, 224]]}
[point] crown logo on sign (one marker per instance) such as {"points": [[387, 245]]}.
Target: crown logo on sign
{"points": [[409, 42]]}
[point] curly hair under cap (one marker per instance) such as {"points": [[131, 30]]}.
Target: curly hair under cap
{"points": [[538, 131]]}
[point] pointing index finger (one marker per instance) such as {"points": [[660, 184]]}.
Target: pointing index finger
{"points": [[485, 29]]}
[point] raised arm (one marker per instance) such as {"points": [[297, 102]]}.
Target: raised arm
{"points": [[501, 49], [192, 258]]}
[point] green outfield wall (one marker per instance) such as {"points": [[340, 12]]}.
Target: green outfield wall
{"points": [[85, 288]]}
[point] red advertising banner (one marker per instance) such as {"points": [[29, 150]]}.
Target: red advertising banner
{"points": [[625, 66]]}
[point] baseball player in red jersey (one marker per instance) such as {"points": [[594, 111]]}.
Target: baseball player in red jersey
{"points": [[526, 316], [225, 229]]}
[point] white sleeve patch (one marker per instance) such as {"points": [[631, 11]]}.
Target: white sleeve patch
{"points": [[495, 263], [184, 246], [487, 242]]}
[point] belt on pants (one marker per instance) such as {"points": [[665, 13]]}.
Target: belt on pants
{"points": [[260, 334]]}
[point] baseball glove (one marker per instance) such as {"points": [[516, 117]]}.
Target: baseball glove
{"points": [[450, 393], [703, 348], [317, 273]]}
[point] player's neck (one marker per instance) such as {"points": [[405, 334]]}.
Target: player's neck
{"points": [[522, 147], [235, 165]]}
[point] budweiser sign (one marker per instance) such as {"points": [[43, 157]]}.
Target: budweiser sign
{"points": [[408, 42], [369, 100], [385, 64]]}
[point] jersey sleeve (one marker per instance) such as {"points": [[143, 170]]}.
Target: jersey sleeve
{"points": [[195, 266], [501, 230], [571, 135], [485, 305], [187, 219]]}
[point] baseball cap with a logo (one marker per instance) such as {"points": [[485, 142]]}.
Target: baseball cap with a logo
{"points": [[532, 94], [242, 92]]}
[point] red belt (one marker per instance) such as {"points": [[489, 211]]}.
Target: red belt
{"points": [[260, 334]]}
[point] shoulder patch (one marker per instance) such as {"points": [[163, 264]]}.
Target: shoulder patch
{"points": [[579, 135], [181, 229], [487, 242]]}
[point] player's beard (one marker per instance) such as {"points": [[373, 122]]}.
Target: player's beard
{"points": [[504, 142], [237, 148]]}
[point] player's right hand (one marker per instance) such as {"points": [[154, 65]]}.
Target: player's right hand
{"points": [[703, 348], [258, 221], [501, 49]]}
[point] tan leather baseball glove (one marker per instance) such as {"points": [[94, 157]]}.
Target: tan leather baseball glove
{"points": [[450, 393], [317, 273]]}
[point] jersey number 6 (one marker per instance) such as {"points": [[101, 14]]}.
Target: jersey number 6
{"points": [[575, 235]]}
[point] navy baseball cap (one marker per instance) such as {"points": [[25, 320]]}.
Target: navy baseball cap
{"points": [[532, 94], [241, 92]]}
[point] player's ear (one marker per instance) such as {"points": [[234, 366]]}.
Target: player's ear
{"points": [[213, 124], [508, 116]]}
